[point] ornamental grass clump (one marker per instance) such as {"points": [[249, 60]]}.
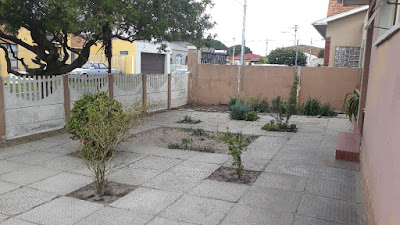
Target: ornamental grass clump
{"points": [[101, 123]]}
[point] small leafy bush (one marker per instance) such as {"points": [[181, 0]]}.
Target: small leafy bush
{"points": [[258, 105], [199, 132], [326, 110], [312, 107], [351, 105], [101, 123], [283, 127], [235, 99], [292, 102], [236, 145], [252, 116], [186, 143], [188, 119], [239, 111], [278, 107]]}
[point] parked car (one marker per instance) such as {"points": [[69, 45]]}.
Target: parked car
{"points": [[92, 68]]}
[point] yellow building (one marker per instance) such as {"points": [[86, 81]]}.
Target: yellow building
{"points": [[128, 57]]}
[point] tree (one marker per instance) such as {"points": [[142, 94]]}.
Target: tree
{"points": [[215, 44], [262, 61], [52, 22], [287, 56], [321, 53], [238, 50]]}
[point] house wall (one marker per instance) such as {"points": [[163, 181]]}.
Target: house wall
{"points": [[380, 140], [345, 32], [147, 47], [336, 8]]}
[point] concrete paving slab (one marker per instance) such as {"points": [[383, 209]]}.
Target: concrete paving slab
{"points": [[3, 217], [63, 183], [262, 150], [349, 191], [155, 163], [331, 209], [326, 160], [63, 210], [22, 200], [276, 200], [213, 158], [14, 151], [302, 220], [112, 216], [8, 166], [68, 164], [244, 214], [173, 182], [147, 201], [165, 221], [133, 176], [290, 168], [281, 182], [34, 158], [195, 170], [28, 175], [142, 128], [59, 139], [15, 221], [6, 187], [125, 158], [64, 149], [198, 210], [298, 157], [338, 174], [219, 190]]}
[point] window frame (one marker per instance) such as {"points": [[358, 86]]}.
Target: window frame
{"points": [[395, 27]]}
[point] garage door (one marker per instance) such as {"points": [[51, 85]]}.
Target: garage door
{"points": [[152, 63]]}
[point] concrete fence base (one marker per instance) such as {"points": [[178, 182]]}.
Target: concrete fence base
{"points": [[35, 105]]}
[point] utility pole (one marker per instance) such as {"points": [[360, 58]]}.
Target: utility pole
{"points": [[241, 67], [296, 27], [309, 60], [233, 52], [266, 48]]}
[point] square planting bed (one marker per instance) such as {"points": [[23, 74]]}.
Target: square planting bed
{"points": [[113, 192], [228, 174], [186, 139]]}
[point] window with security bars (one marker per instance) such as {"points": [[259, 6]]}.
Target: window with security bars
{"points": [[347, 57]]}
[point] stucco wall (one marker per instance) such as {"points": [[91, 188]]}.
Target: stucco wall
{"points": [[380, 140], [157, 91], [179, 89], [328, 84], [128, 89], [345, 32]]}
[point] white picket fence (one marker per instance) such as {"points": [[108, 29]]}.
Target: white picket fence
{"points": [[35, 105]]}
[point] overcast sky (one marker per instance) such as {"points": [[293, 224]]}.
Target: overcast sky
{"points": [[267, 19]]}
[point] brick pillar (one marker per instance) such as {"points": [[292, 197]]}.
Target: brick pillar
{"points": [[111, 85], [327, 51], [144, 89], [169, 90], [2, 112], [67, 98]]}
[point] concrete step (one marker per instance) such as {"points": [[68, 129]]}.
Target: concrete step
{"points": [[348, 147]]}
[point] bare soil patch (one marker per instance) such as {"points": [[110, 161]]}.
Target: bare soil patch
{"points": [[228, 174], [113, 192], [173, 137]]}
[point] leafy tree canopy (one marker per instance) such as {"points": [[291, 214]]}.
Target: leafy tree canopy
{"points": [[215, 44], [238, 49], [287, 56], [53, 22], [321, 53]]}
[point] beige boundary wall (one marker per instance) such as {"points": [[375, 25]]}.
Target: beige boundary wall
{"points": [[214, 84]]}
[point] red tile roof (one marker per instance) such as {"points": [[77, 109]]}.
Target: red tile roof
{"points": [[249, 56]]}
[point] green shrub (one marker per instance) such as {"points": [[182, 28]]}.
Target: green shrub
{"points": [[326, 110], [283, 127], [239, 111], [351, 105], [312, 107], [252, 116], [186, 143], [199, 132], [101, 123], [292, 102], [258, 105], [235, 99], [278, 107], [236, 143]]}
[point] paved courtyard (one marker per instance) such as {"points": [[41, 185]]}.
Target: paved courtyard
{"points": [[300, 184]]}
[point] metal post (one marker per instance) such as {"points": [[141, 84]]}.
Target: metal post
{"points": [[241, 67], [233, 52], [296, 27]]}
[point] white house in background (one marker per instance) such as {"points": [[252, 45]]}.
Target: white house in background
{"points": [[314, 61], [150, 60]]}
